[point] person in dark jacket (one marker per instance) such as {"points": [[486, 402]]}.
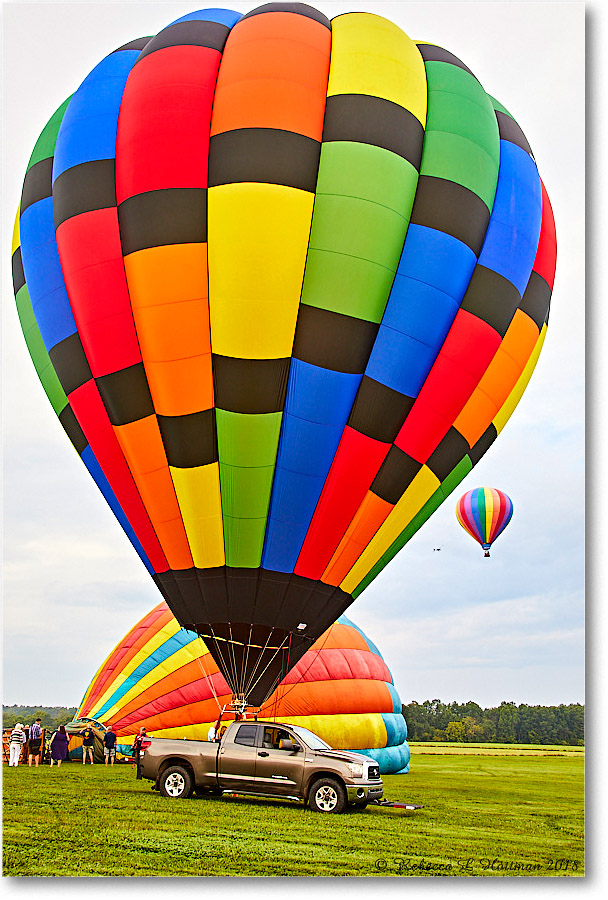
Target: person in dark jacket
{"points": [[139, 738], [109, 746]]}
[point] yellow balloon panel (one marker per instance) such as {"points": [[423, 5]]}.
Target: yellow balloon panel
{"points": [[198, 492], [371, 55], [258, 238]]}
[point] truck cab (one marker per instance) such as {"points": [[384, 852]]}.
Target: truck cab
{"points": [[275, 753]]}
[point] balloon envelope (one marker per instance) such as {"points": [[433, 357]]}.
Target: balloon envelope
{"points": [[163, 677], [284, 280], [484, 513]]}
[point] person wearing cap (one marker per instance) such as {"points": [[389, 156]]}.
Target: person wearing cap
{"points": [[16, 743], [35, 741]]}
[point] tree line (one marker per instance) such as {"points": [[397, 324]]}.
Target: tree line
{"points": [[431, 720], [52, 716], [508, 723]]}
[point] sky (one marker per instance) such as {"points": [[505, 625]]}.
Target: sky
{"points": [[451, 624]]}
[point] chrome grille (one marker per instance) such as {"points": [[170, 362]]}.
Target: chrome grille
{"points": [[373, 772]]}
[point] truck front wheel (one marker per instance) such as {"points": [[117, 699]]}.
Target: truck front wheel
{"points": [[327, 796], [176, 782]]}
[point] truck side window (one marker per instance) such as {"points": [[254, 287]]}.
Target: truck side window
{"points": [[246, 735], [273, 736]]}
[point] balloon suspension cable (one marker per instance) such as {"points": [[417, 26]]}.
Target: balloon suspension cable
{"points": [[205, 673], [231, 642], [277, 681], [290, 687], [276, 695], [276, 700], [251, 684], [248, 685], [246, 659], [218, 721], [225, 666], [248, 647]]}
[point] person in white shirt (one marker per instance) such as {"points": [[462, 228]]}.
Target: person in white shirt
{"points": [[16, 744]]}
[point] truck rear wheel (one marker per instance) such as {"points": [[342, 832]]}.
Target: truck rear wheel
{"points": [[327, 796], [176, 782]]}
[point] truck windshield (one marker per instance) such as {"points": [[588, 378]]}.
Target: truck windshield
{"points": [[311, 740]]}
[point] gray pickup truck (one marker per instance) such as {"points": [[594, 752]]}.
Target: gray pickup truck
{"points": [[267, 759]]}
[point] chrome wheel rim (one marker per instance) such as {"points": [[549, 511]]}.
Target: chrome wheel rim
{"points": [[326, 798], [175, 784]]}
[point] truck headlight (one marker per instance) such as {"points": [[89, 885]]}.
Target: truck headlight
{"points": [[355, 769]]}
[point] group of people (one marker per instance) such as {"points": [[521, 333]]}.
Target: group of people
{"points": [[34, 741], [58, 744], [88, 745]]}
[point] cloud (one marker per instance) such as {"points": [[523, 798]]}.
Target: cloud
{"points": [[474, 650]]}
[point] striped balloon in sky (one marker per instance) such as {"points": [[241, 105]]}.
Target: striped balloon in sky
{"points": [[162, 676], [484, 513], [284, 280]]}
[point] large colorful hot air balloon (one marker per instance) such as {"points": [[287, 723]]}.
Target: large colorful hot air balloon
{"points": [[484, 513], [284, 280], [162, 676]]}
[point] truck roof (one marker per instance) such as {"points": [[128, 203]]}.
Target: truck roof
{"points": [[261, 722]]}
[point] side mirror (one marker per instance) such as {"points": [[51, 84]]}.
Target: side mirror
{"points": [[289, 745]]}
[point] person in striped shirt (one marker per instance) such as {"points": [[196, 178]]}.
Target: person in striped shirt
{"points": [[35, 741], [16, 744]]}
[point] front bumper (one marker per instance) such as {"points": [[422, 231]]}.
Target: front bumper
{"points": [[364, 792]]}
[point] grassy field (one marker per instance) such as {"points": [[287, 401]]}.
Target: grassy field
{"points": [[484, 815]]}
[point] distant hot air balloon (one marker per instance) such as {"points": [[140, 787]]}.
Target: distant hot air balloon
{"points": [[484, 513], [282, 303], [163, 677]]}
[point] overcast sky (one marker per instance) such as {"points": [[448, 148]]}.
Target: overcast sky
{"points": [[451, 625]]}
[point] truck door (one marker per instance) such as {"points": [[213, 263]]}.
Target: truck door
{"points": [[278, 771], [237, 759]]}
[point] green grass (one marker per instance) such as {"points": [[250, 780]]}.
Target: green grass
{"points": [[483, 815]]}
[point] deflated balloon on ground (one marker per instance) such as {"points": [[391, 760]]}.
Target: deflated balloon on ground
{"points": [[163, 678]]}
